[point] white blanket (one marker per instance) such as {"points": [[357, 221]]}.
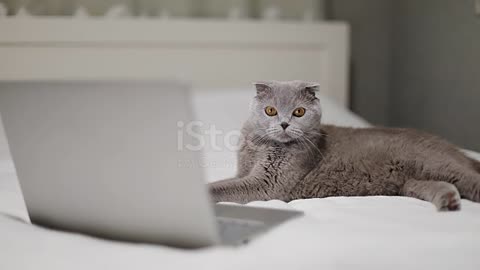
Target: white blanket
{"points": [[335, 233]]}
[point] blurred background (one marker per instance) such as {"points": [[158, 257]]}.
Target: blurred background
{"points": [[412, 63]]}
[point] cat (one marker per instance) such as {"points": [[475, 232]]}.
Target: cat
{"points": [[287, 154]]}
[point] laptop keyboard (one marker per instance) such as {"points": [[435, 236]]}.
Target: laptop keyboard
{"points": [[237, 231]]}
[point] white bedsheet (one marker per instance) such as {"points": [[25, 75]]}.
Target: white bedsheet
{"points": [[335, 233]]}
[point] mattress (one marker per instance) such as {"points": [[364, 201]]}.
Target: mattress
{"points": [[335, 233]]}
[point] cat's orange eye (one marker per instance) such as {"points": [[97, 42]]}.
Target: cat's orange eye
{"points": [[270, 111], [299, 112]]}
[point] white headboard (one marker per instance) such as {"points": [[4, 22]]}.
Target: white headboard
{"points": [[207, 53]]}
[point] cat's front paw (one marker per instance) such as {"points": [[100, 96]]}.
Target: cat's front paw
{"points": [[448, 201]]}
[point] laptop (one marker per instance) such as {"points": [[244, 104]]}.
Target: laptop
{"points": [[102, 158]]}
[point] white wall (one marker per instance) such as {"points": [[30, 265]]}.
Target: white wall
{"points": [[435, 81], [370, 23]]}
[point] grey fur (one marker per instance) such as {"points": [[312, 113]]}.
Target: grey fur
{"points": [[310, 160]]}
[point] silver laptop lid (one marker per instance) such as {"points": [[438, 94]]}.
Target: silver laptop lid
{"points": [[102, 157]]}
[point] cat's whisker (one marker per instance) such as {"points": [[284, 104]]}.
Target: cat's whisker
{"points": [[310, 153], [260, 139], [263, 139], [297, 132], [300, 141], [315, 147], [316, 133], [273, 130]]}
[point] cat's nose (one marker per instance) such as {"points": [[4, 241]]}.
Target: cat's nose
{"points": [[284, 125]]}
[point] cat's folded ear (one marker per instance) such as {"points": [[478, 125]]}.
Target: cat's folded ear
{"points": [[262, 88], [312, 88]]}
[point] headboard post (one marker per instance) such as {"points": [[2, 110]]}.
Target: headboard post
{"points": [[206, 53]]}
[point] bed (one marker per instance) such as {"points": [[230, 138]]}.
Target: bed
{"points": [[335, 233]]}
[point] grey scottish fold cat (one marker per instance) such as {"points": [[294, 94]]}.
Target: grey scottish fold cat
{"points": [[286, 154]]}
